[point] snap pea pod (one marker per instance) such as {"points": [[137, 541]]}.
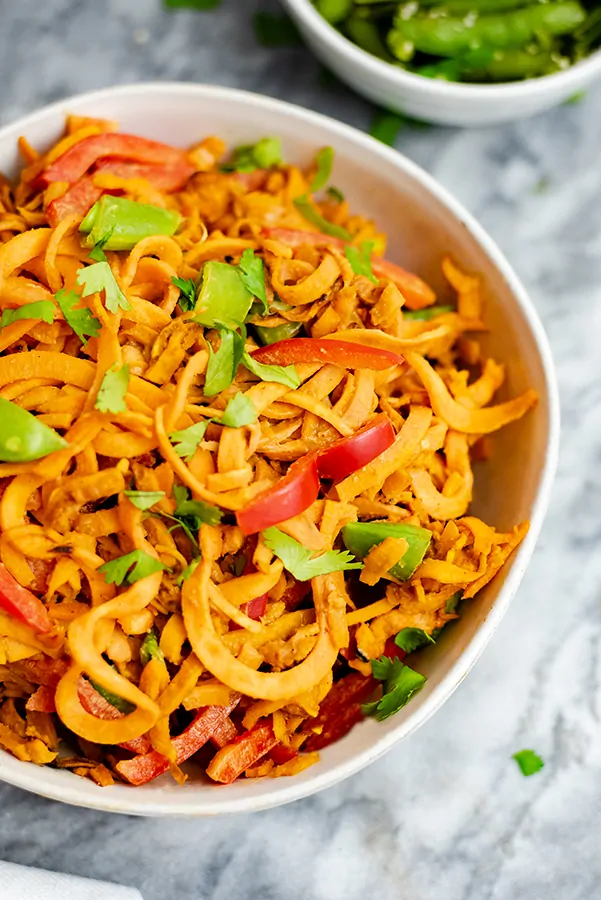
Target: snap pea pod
{"points": [[367, 36], [22, 437], [334, 11], [279, 333], [450, 36], [360, 537], [482, 7], [514, 65]]}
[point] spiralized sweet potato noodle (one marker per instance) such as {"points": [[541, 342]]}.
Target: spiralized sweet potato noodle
{"points": [[63, 516]]}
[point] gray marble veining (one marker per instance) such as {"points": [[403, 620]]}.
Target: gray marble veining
{"points": [[446, 814]]}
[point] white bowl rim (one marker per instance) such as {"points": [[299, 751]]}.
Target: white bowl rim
{"points": [[122, 799], [575, 75]]}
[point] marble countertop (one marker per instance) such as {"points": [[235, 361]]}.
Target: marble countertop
{"points": [[446, 814]]}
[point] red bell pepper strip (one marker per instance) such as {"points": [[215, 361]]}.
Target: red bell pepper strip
{"points": [[256, 607], [348, 454], [247, 749], [42, 700], [79, 158], [295, 593], [138, 745], [163, 178], [416, 292], [281, 754], [340, 710], [142, 769], [292, 495], [78, 200], [17, 601], [224, 734], [97, 706], [312, 350]]}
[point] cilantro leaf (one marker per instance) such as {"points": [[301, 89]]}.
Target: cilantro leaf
{"points": [[335, 195], [144, 499], [198, 510], [528, 761], [410, 639], [453, 602], [187, 572], [77, 316], [239, 411], [39, 309], [286, 375], [252, 273], [97, 252], [385, 126], [150, 648], [112, 391], [188, 439], [298, 560], [187, 298], [400, 684], [325, 161], [276, 31], [223, 363], [130, 567], [309, 213], [99, 277], [360, 259]]}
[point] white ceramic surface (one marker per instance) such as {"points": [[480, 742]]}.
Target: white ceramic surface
{"points": [[434, 100], [423, 222]]}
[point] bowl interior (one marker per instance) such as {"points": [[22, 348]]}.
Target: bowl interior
{"points": [[423, 224]]}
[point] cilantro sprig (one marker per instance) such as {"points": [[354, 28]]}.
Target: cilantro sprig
{"points": [[300, 562], [238, 412], [187, 297], [112, 390], [411, 639], [144, 499], [130, 568], [99, 277], [77, 316], [39, 309], [400, 683]]}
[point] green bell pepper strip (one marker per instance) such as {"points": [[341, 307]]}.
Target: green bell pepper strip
{"points": [[150, 648], [360, 537], [126, 222], [22, 437], [222, 298], [449, 36], [279, 333], [334, 11], [430, 312]]}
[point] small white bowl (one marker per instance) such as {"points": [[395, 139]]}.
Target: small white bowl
{"points": [[434, 100], [423, 223]]}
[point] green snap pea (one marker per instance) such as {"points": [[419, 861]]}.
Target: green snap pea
{"points": [[121, 223], [366, 35], [451, 36], [22, 437], [334, 11], [514, 65], [360, 537], [279, 333], [482, 7]]}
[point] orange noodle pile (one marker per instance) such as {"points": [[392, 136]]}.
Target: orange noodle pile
{"points": [[214, 648]]}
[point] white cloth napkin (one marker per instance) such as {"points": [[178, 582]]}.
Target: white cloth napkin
{"points": [[23, 883]]}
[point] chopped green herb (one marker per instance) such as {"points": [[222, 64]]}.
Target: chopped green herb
{"points": [[410, 639], [150, 648], [196, 510], [144, 499], [248, 157], [300, 562], [385, 126], [77, 316], [528, 761], [453, 602], [252, 273], [97, 252], [276, 31], [186, 441], [325, 161], [131, 567], [187, 572], [99, 277], [39, 309], [400, 684], [112, 391], [334, 194], [430, 312], [286, 375], [308, 211], [187, 297], [360, 259], [238, 412]]}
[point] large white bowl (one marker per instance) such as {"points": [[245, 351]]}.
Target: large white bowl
{"points": [[432, 99], [424, 223]]}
